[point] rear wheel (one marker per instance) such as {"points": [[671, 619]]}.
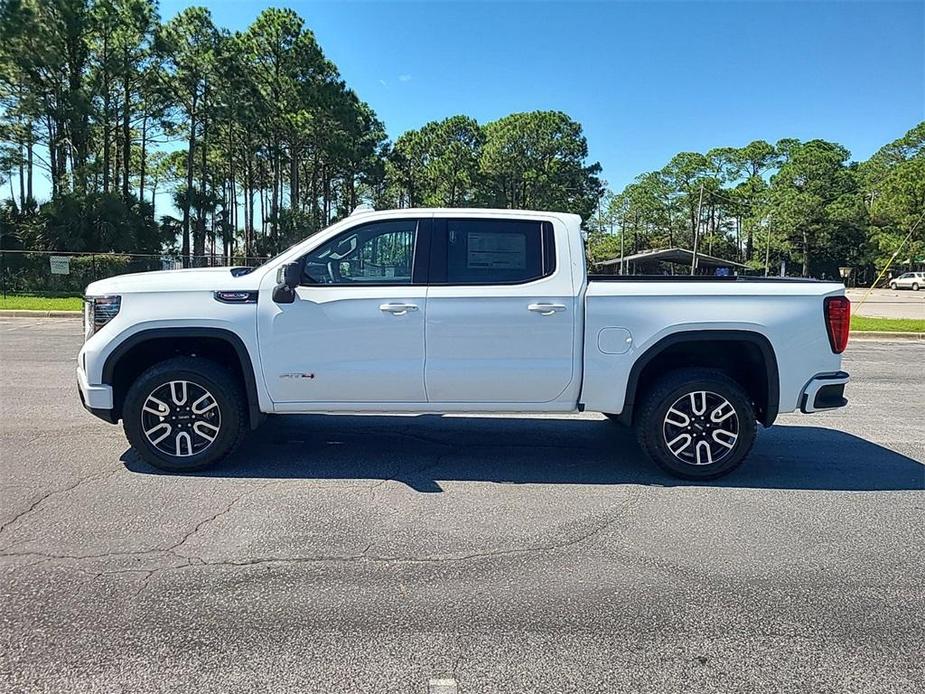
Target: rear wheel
{"points": [[915, 287], [184, 414], [696, 423]]}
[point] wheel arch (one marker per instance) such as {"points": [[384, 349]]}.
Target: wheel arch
{"points": [[711, 348], [146, 347]]}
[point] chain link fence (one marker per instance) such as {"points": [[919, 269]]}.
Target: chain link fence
{"points": [[61, 273]]}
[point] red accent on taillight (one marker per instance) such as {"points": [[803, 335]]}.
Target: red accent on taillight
{"points": [[837, 311]]}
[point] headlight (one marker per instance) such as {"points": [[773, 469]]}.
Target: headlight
{"points": [[98, 311]]}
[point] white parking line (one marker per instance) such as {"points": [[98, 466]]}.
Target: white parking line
{"points": [[18, 326], [443, 685]]}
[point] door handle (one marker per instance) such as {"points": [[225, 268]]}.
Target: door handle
{"points": [[546, 309], [398, 309]]}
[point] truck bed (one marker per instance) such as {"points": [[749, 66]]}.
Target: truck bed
{"points": [[639, 310]]}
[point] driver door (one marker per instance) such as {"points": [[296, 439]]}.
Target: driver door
{"points": [[355, 332]]}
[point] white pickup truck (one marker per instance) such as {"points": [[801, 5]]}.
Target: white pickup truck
{"points": [[457, 310]]}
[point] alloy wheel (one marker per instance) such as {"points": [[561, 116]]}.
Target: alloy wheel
{"points": [[701, 428], [181, 418]]}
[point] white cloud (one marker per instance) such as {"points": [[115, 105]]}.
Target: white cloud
{"points": [[404, 78]]}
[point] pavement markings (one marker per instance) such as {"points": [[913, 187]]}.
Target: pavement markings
{"points": [[442, 685]]}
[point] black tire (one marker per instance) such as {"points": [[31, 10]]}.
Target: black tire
{"points": [[893, 286], [204, 375], [654, 432], [915, 287]]}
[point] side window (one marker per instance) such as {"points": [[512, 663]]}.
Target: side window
{"points": [[375, 253], [491, 251]]}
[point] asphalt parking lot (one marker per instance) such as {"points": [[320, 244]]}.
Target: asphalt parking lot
{"points": [[514, 553]]}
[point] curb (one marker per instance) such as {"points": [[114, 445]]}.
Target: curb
{"points": [[25, 313], [870, 335]]}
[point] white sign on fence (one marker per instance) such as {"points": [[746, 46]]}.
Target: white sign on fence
{"points": [[60, 264]]}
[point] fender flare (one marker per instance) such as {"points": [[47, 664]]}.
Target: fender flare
{"points": [[244, 359], [757, 339]]}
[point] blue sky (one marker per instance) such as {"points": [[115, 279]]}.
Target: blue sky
{"points": [[646, 80]]}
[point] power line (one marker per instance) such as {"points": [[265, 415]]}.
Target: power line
{"points": [[889, 262]]}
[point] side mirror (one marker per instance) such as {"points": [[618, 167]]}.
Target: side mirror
{"points": [[288, 277]]}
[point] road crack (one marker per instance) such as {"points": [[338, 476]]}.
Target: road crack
{"points": [[53, 493], [203, 523], [587, 528], [603, 521]]}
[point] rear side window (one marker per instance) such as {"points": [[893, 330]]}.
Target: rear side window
{"points": [[491, 251]]}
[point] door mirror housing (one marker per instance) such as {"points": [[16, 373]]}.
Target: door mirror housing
{"points": [[288, 277]]}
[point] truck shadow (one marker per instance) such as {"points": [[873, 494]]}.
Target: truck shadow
{"points": [[423, 450]]}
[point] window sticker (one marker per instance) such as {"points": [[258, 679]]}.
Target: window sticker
{"points": [[489, 250]]}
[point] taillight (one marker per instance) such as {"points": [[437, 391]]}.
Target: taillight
{"points": [[837, 311]]}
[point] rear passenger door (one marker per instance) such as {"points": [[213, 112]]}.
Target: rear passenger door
{"points": [[501, 314]]}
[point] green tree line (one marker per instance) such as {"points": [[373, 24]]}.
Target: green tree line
{"points": [[804, 204], [254, 135], [526, 160], [258, 142]]}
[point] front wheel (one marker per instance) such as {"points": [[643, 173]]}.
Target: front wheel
{"points": [[893, 286], [696, 423], [184, 414]]}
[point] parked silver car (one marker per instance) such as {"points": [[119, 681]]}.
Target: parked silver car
{"points": [[910, 280]]}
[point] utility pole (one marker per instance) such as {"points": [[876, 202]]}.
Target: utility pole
{"points": [[622, 236], [697, 232], [600, 216], [767, 249]]}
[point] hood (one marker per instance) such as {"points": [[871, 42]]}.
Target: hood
{"points": [[197, 279]]}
